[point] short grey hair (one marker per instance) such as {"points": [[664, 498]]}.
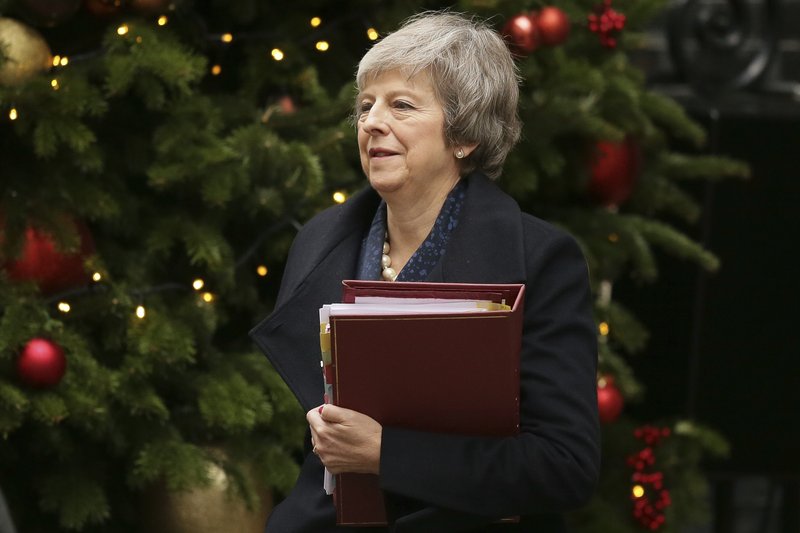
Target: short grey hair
{"points": [[473, 76]]}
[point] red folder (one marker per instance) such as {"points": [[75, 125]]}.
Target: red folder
{"points": [[453, 373]]}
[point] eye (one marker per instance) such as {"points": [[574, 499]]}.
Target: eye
{"points": [[402, 104], [363, 108]]}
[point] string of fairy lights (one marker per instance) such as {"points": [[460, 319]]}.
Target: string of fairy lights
{"points": [[64, 301], [275, 53]]}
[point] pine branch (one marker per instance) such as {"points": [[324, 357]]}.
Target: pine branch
{"points": [[76, 498], [672, 116], [707, 168]]}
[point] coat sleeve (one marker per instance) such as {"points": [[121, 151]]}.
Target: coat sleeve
{"points": [[552, 465]]}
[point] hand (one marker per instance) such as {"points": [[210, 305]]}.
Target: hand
{"points": [[345, 440]]}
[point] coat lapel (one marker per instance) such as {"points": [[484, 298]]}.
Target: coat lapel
{"points": [[487, 245], [289, 336]]}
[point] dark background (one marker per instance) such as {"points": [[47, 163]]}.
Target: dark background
{"points": [[725, 347]]}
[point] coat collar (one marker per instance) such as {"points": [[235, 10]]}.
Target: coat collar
{"points": [[487, 246]]}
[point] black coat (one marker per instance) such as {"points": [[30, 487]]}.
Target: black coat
{"points": [[551, 467]]}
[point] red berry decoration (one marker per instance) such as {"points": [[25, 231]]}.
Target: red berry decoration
{"points": [[614, 170], [41, 364], [609, 400], [607, 24], [51, 269], [647, 481], [522, 33], [553, 25]]}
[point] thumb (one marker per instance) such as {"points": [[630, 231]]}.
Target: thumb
{"points": [[332, 413]]}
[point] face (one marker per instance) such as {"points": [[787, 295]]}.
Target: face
{"points": [[401, 137]]}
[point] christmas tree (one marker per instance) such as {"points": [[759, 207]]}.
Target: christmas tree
{"points": [[158, 157]]}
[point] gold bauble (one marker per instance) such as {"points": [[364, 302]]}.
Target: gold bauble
{"points": [[212, 509], [25, 52]]}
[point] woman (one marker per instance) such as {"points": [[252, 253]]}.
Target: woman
{"points": [[436, 115]]}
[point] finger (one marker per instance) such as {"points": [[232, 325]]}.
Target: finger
{"points": [[314, 416]]}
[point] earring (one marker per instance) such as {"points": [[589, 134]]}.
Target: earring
{"points": [[460, 153]]}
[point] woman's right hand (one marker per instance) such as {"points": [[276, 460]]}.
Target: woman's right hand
{"points": [[345, 440]]}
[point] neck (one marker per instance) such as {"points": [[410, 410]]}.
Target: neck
{"points": [[410, 222]]}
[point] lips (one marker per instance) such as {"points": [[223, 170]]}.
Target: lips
{"points": [[381, 152]]}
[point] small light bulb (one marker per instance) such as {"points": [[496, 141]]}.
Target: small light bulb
{"points": [[64, 61], [315, 21], [139, 39], [122, 30], [140, 312], [208, 297], [56, 60], [613, 237], [603, 327], [97, 276], [13, 113], [277, 54], [372, 34], [339, 197], [262, 270], [64, 307], [638, 491], [227, 37], [216, 70], [198, 284], [601, 383], [54, 84], [323, 46], [162, 20]]}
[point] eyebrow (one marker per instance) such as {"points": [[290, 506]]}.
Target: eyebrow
{"points": [[391, 94]]}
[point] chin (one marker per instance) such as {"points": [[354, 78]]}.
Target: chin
{"points": [[385, 184]]}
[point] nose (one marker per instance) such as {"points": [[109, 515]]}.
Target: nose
{"points": [[374, 123]]}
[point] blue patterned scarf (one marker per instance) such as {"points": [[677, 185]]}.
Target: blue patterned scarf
{"points": [[430, 252]]}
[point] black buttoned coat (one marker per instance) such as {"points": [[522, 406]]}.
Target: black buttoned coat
{"points": [[464, 482]]}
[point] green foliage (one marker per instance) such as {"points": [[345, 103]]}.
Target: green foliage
{"points": [[77, 499], [179, 175], [229, 403], [151, 64], [181, 465], [14, 404]]}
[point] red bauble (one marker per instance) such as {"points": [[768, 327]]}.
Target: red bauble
{"points": [[522, 33], [614, 170], [41, 363], [553, 26], [287, 105], [49, 12], [51, 269], [609, 400], [103, 8]]}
